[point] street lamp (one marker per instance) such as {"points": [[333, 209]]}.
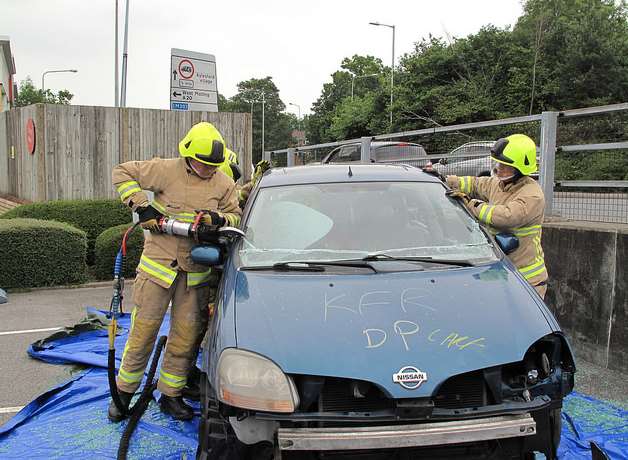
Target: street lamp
{"points": [[53, 71], [392, 67], [353, 77], [263, 101], [299, 109]]}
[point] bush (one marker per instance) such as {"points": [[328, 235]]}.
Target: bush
{"points": [[41, 253], [91, 216], [107, 246]]}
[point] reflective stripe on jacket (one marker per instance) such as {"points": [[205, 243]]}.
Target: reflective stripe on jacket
{"points": [[517, 208], [179, 192]]}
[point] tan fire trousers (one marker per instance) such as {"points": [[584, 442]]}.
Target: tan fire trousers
{"points": [[188, 318]]}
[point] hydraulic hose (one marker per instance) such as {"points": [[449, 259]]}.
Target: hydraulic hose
{"points": [[142, 403], [115, 310]]}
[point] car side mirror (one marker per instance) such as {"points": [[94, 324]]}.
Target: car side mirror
{"points": [[206, 254], [507, 242]]}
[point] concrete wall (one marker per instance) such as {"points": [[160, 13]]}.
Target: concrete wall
{"points": [[588, 288]]}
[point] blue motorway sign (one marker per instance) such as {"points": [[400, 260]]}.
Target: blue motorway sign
{"points": [[179, 105]]}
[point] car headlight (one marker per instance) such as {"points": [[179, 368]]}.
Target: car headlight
{"points": [[251, 381]]}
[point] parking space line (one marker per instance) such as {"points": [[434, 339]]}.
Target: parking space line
{"points": [[10, 410], [31, 331]]}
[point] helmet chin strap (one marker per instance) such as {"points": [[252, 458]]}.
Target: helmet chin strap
{"points": [[202, 176], [503, 179]]}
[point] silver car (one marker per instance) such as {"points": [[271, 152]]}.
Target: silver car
{"points": [[470, 159], [381, 152]]}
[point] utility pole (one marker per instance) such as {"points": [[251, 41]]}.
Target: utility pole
{"points": [[125, 56], [117, 74], [392, 66]]}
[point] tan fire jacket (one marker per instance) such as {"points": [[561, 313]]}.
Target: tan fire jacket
{"points": [[179, 192], [517, 208]]}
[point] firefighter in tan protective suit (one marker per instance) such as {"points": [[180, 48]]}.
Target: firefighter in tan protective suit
{"points": [[166, 272], [510, 201]]}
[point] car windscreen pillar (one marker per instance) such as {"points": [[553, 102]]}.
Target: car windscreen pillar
{"points": [[365, 149]]}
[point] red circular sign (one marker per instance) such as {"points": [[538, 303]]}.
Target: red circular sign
{"points": [[30, 136], [186, 69]]}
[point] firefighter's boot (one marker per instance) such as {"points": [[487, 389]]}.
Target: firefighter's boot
{"points": [[114, 413], [175, 407], [192, 389]]}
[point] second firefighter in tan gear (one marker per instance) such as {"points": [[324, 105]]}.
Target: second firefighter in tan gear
{"points": [[166, 272], [512, 203]]}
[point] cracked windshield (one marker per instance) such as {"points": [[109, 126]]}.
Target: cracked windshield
{"points": [[325, 222]]}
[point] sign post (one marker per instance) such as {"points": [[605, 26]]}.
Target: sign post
{"points": [[193, 81]]}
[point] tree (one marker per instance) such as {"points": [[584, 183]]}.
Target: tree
{"points": [[582, 51], [320, 124], [28, 94]]}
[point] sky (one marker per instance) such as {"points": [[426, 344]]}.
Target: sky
{"points": [[299, 43]]}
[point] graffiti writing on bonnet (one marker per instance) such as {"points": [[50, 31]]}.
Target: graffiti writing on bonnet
{"points": [[406, 330]]}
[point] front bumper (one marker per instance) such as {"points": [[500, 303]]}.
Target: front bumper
{"points": [[400, 436]]}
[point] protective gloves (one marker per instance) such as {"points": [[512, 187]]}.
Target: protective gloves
{"points": [[458, 195], [214, 218], [429, 169], [260, 168], [149, 218]]}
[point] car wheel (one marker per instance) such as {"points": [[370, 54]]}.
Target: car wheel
{"points": [[484, 174]]}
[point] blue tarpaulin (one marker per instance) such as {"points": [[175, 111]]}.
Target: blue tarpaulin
{"points": [[70, 420]]}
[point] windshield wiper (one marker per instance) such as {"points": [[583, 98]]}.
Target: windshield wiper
{"points": [[382, 256], [311, 266]]}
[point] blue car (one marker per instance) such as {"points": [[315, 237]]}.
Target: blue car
{"points": [[365, 314]]}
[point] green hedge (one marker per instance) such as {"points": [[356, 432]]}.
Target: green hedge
{"points": [[107, 246], [41, 253], [91, 216]]}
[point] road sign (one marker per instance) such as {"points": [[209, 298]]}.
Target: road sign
{"points": [[193, 81]]}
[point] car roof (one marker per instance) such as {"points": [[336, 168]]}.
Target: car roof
{"points": [[333, 173], [387, 143]]}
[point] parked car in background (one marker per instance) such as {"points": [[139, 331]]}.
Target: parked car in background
{"points": [[471, 159], [364, 314], [381, 152], [458, 162]]}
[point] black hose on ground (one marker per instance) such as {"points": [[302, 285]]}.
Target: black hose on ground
{"points": [[113, 387], [142, 403]]}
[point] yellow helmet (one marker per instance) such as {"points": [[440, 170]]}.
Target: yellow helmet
{"points": [[230, 165], [518, 151], [204, 143]]}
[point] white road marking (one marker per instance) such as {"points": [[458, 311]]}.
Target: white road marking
{"points": [[30, 331], [10, 410]]}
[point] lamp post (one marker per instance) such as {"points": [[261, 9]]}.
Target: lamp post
{"points": [[43, 84], [353, 77], [392, 67], [299, 109], [116, 71]]}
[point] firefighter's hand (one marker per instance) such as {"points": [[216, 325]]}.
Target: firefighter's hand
{"points": [[214, 218], [458, 195], [429, 169], [149, 218], [260, 168]]}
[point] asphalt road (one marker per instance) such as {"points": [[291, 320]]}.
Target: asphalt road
{"points": [[23, 378]]}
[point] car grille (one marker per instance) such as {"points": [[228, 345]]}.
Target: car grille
{"points": [[337, 396], [458, 392], [462, 391]]}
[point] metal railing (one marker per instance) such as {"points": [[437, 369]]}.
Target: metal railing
{"points": [[563, 138]]}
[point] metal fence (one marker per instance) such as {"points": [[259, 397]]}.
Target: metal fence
{"points": [[582, 155]]}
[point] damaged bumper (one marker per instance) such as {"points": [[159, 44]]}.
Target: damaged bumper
{"points": [[399, 436]]}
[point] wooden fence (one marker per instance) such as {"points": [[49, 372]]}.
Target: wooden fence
{"points": [[76, 147]]}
